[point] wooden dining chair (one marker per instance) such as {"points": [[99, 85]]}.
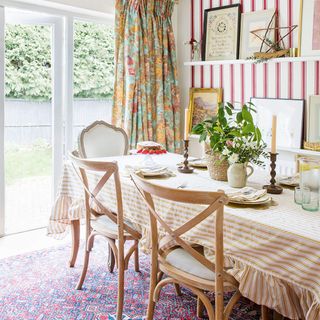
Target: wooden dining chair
{"points": [[101, 139], [184, 264], [101, 221]]}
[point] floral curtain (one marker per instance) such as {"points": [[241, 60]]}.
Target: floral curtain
{"points": [[146, 94]]}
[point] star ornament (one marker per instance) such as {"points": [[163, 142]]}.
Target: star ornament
{"points": [[278, 45]]}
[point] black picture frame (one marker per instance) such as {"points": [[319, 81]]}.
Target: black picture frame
{"points": [[205, 33]]}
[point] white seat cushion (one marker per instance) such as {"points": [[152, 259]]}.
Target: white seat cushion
{"points": [[104, 224], [182, 260]]}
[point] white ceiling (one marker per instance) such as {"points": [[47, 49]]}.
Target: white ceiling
{"points": [[104, 6]]}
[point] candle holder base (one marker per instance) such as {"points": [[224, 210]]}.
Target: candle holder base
{"points": [[273, 189], [183, 169]]}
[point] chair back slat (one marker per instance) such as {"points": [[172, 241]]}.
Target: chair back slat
{"points": [[180, 195], [110, 169], [215, 202]]}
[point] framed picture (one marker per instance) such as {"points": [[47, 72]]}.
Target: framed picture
{"points": [[309, 39], [290, 120], [203, 104], [221, 33], [249, 43], [313, 119]]}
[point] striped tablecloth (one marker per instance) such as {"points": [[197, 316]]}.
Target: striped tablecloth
{"points": [[275, 249]]}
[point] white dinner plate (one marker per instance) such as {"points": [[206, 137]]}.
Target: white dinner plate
{"points": [[198, 163], [290, 181], [263, 200]]}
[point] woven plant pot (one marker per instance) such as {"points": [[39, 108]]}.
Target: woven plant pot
{"points": [[217, 168]]}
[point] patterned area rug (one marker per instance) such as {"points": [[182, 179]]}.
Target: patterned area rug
{"points": [[39, 285]]}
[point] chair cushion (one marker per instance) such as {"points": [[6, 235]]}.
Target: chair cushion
{"points": [[103, 224], [182, 260]]}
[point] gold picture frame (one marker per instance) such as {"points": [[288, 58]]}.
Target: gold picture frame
{"points": [[203, 104]]}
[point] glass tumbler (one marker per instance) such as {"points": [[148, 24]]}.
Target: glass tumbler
{"points": [[298, 195], [310, 183], [310, 200]]}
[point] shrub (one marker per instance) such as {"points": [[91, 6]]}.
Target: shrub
{"points": [[28, 61]]}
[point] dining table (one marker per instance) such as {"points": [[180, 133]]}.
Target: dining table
{"points": [[274, 248]]}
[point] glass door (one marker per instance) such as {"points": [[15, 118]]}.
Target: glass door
{"points": [[32, 118]]}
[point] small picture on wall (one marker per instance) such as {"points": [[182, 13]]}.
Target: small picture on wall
{"points": [[290, 120], [221, 33], [313, 120], [203, 104], [252, 21], [310, 28]]}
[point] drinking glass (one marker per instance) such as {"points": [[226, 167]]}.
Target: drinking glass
{"points": [[310, 183], [298, 195], [310, 200]]}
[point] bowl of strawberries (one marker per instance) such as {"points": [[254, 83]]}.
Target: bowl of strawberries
{"points": [[150, 147]]}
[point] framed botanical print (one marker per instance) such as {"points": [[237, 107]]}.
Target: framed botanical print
{"points": [[309, 39], [290, 113], [251, 21], [313, 120], [221, 33], [203, 104]]}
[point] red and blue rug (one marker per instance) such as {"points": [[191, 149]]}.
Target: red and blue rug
{"points": [[40, 286]]}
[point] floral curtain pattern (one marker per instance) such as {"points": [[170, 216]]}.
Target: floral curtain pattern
{"points": [[146, 95]]}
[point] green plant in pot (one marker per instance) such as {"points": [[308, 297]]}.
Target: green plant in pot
{"points": [[233, 141]]}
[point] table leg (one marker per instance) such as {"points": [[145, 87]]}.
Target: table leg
{"points": [[75, 236], [264, 313], [111, 259]]}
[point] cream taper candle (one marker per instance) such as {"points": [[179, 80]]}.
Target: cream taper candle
{"points": [[274, 135], [186, 124]]}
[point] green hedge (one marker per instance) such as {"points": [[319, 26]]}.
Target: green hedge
{"points": [[28, 61]]}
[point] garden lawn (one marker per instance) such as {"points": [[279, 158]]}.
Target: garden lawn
{"points": [[23, 163]]}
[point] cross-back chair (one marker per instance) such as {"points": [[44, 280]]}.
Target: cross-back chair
{"points": [[101, 139], [184, 264], [101, 221]]}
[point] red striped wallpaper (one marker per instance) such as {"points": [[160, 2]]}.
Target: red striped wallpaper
{"points": [[295, 80]]}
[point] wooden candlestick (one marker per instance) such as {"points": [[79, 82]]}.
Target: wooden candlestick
{"points": [[185, 168], [272, 188]]}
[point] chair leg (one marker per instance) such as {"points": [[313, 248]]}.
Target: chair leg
{"points": [[111, 259], [75, 236], [154, 278], [89, 245], [200, 308], [120, 292], [178, 290], [136, 257]]}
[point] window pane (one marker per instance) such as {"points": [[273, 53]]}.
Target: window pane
{"points": [[93, 74]]}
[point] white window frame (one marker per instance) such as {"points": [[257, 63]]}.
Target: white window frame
{"points": [[62, 103], [2, 94]]}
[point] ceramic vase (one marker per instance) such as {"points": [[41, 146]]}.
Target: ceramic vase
{"points": [[238, 174]]}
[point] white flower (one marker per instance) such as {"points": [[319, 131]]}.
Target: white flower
{"points": [[234, 158], [225, 151], [252, 145]]}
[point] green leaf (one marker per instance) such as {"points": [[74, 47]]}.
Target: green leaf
{"points": [[203, 137], [239, 117], [229, 111], [247, 115], [248, 128]]}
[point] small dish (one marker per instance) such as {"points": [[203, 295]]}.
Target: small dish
{"points": [[291, 181], [198, 163]]}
